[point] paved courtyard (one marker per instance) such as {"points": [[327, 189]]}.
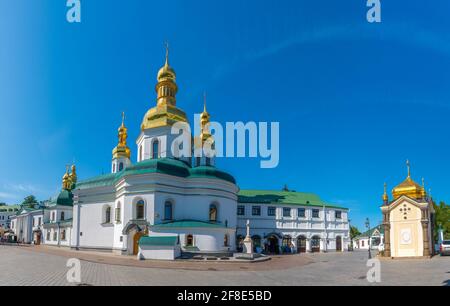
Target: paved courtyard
{"points": [[34, 266]]}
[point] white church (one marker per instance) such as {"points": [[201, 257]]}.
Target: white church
{"points": [[163, 206]]}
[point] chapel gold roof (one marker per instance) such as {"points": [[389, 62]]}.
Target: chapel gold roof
{"points": [[409, 188]]}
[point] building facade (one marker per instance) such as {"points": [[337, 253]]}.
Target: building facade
{"points": [[408, 220], [179, 202], [6, 212]]}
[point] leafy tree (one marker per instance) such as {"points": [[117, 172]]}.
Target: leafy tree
{"points": [[442, 219], [29, 200], [2, 204], [354, 232]]}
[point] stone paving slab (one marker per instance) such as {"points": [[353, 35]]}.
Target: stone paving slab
{"points": [[25, 266]]}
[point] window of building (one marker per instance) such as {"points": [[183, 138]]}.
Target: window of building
{"points": [[286, 212], [140, 210], [53, 216], [208, 161], [48, 236], [256, 210], [241, 210], [189, 240], [301, 212], [120, 166], [62, 216], [140, 153], [155, 149], [315, 213], [271, 211], [55, 236], [226, 241], [168, 211], [118, 212], [114, 168], [63, 235], [213, 213], [107, 215], [338, 214], [198, 161], [39, 221], [362, 243], [34, 221]]}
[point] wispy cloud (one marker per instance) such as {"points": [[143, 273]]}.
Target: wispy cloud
{"points": [[14, 193], [407, 34]]}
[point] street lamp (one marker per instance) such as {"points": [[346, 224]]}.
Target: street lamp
{"points": [[368, 231]]}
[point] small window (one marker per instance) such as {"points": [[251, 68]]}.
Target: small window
{"points": [[114, 168], [108, 215], [39, 221], [34, 221], [241, 210], [140, 210], [286, 212], [301, 212], [315, 213], [271, 211], [63, 235], [62, 216], [226, 241], [213, 213], [48, 236], [168, 211], [140, 153], [189, 240], [55, 236], [120, 167], [256, 210], [338, 214], [208, 161], [155, 149]]}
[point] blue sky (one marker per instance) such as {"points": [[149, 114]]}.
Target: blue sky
{"points": [[354, 100]]}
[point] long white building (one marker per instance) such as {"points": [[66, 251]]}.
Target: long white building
{"points": [[163, 199]]}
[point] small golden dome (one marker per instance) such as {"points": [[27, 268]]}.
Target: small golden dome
{"points": [[409, 188], [166, 73]]}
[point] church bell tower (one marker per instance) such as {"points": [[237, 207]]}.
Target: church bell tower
{"points": [[121, 153]]}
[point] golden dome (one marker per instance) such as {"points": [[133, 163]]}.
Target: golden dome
{"points": [[122, 150], [409, 188], [165, 113]]}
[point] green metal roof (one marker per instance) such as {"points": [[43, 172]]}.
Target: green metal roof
{"points": [[369, 233], [159, 241], [64, 198], [188, 224], [167, 166], [283, 198]]}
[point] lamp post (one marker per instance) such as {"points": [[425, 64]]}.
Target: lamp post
{"points": [[368, 231]]}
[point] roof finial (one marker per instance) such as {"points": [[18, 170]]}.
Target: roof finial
{"points": [[123, 119], [204, 102], [167, 52], [385, 195], [408, 165]]}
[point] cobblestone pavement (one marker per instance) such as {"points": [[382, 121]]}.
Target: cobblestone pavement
{"points": [[20, 266]]}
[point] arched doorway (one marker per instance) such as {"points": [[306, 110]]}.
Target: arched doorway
{"points": [[286, 244], [315, 244], [256, 243], [301, 244], [339, 244], [272, 245], [136, 238], [37, 237]]}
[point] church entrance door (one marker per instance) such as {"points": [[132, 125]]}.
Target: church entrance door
{"points": [[301, 244], [272, 246], [339, 244], [136, 238]]}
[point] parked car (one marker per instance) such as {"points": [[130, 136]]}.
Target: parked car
{"points": [[444, 249]]}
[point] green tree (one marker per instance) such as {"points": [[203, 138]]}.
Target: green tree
{"points": [[29, 200], [354, 232], [442, 219]]}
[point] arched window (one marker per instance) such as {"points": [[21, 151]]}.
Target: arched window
{"points": [[208, 161], [213, 213], [63, 235], [62, 216], [120, 166], [155, 149], [198, 161], [140, 210], [140, 153], [118, 212], [168, 211], [189, 240], [114, 168], [226, 240], [108, 215]]}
